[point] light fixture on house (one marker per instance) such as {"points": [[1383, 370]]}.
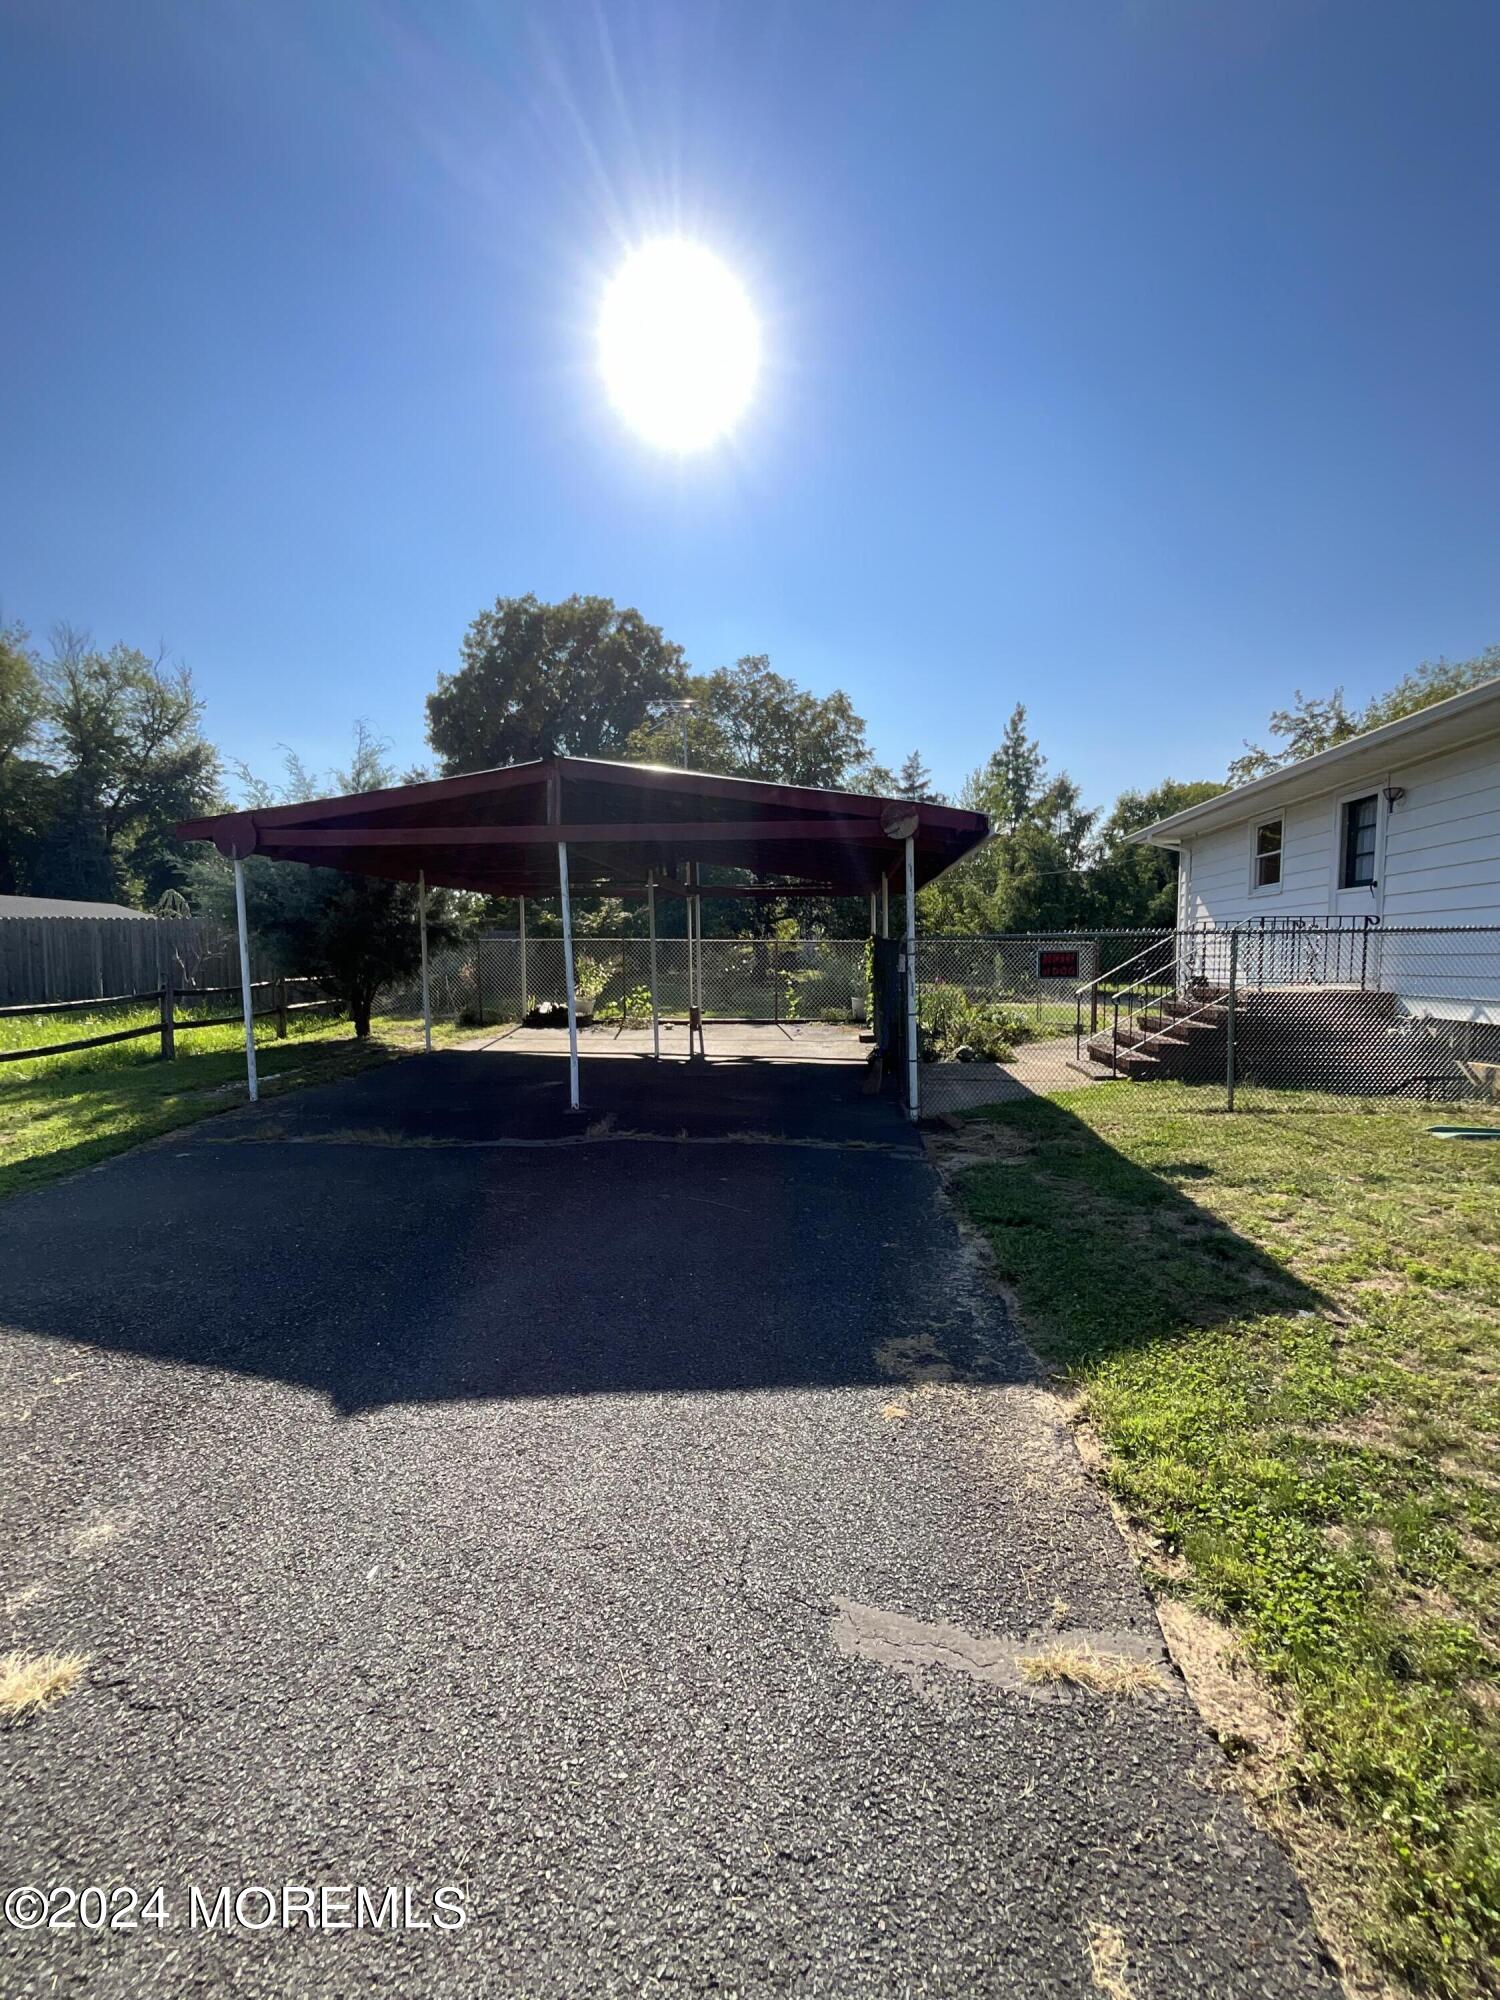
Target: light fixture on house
{"points": [[1393, 793]]}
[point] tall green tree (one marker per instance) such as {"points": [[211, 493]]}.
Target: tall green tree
{"points": [[914, 781], [1008, 786], [26, 804], [1319, 722], [1050, 864], [536, 679], [751, 722], [1433, 680], [1032, 874], [20, 693], [1135, 887], [117, 754]]}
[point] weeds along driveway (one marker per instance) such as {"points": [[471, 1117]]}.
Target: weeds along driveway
{"points": [[656, 1538]]}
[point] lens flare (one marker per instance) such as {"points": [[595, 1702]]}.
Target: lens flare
{"points": [[679, 347]]}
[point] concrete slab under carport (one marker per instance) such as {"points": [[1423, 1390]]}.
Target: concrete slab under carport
{"points": [[723, 1042], [508, 1090]]}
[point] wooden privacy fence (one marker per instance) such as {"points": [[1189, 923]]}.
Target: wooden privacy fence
{"points": [[99, 958], [169, 1024]]}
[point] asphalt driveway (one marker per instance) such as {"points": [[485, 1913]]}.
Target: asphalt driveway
{"points": [[639, 1523]]}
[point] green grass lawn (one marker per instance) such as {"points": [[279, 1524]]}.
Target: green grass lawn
{"points": [[1286, 1325], [1049, 1017], [60, 1113]]}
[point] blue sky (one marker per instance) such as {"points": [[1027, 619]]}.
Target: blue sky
{"points": [[1134, 359]]}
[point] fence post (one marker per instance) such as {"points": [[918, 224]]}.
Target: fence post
{"points": [[913, 1030], [281, 1008], [1234, 966], [168, 1019]]}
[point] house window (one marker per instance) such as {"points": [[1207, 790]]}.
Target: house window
{"points": [[1267, 854], [1359, 843]]}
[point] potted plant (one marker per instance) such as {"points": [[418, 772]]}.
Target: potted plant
{"points": [[590, 977]]}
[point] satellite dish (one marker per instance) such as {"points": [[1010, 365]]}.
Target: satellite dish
{"points": [[899, 822]]}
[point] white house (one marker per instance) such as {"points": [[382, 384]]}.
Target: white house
{"points": [[1394, 829]]}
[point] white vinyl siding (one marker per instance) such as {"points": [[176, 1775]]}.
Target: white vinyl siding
{"points": [[1220, 890], [1438, 864], [1442, 841]]}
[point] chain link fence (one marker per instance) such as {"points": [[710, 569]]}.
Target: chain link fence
{"points": [[1002, 1018], [1403, 1013], [497, 980], [1279, 1015], [1274, 1015]]}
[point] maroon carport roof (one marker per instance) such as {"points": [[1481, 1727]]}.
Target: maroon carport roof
{"points": [[497, 831]]}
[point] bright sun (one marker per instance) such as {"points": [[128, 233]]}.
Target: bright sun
{"points": [[678, 344]]}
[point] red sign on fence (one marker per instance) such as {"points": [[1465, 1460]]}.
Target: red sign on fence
{"points": [[1057, 965]]}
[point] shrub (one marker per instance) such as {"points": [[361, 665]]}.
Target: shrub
{"points": [[954, 1028], [634, 1005]]}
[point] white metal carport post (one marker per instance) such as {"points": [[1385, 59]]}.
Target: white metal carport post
{"points": [[694, 909], [246, 996], [567, 917], [693, 959], [651, 918], [913, 1105], [885, 906], [521, 908], [698, 946], [426, 990]]}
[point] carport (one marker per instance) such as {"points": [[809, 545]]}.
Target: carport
{"points": [[563, 826]]}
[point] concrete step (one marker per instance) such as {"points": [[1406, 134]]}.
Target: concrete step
{"points": [[1213, 1012], [1178, 1027], [1126, 1061], [1131, 1034]]}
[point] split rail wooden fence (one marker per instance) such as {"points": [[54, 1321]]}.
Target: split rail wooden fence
{"points": [[169, 1024]]}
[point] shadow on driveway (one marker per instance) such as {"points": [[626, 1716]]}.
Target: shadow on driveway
{"points": [[408, 1470], [443, 1229], [493, 1094]]}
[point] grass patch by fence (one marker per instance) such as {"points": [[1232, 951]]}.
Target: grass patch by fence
{"points": [[64, 1112], [1287, 1329], [41, 1031]]}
